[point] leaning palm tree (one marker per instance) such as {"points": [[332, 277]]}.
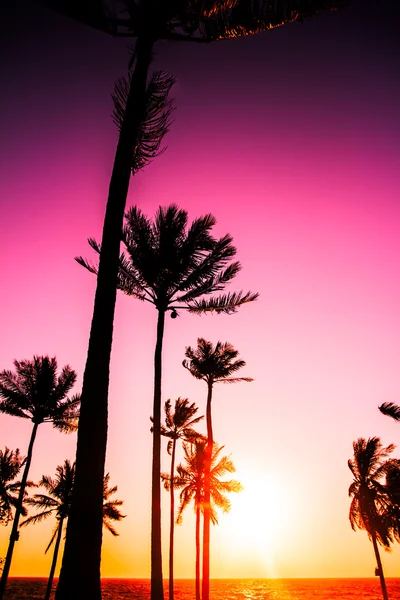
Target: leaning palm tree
{"points": [[58, 503], [178, 426], [212, 365], [174, 267], [35, 391], [370, 499], [11, 462], [390, 410], [148, 21], [190, 479]]}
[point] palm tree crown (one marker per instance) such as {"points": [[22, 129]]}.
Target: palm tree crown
{"points": [[194, 20], [35, 392], [179, 424], [190, 479], [11, 463], [58, 498], [174, 266], [370, 500], [214, 364]]}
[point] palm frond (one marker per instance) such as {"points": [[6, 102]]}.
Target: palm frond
{"points": [[244, 17], [53, 536], [65, 418], [37, 518], [226, 303], [157, 117], [391, 410]]}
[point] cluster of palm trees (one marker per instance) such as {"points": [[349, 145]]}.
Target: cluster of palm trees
{"points": [[35, 391], [375, 492], [142, 113], [190, 268], [198, 477]]}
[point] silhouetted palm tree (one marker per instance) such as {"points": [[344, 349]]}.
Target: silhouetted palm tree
{"points": [[392, 487], [148, 21], [35, 392], [11, 462], [370, 500], [173, 267], [390, 410], [58, 502], [212, 365], [178, 426], [190, 479]]}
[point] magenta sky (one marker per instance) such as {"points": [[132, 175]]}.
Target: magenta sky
{"points": [[291, 140]]}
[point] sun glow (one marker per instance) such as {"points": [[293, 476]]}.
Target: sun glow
{"points": [[260, 519]]}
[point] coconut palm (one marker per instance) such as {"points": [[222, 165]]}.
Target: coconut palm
{"points": [[35, 391], [178, 426], [390, 410], [148, 21], [58, 503], [190, 479], [370, 503], [174, 267], [11, 462], [212, 365]]}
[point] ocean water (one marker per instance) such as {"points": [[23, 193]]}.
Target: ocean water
{"points": [[226, 589]]}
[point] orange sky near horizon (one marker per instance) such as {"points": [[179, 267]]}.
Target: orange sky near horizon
{"points": [[301, 166]]}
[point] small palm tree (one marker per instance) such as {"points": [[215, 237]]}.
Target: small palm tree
{"points": [[174, 267], [213, 365], [190, 479], [58, 503], [11, 462], [35, 392], [370, 499], [178, 426], [390, 410]]}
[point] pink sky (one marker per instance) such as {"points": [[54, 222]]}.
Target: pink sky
{"points": [[297, 157]]}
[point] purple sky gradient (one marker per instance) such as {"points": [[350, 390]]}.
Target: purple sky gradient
{"points": [[291, 139]]}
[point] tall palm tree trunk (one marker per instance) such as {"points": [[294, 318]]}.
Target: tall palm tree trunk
{"points": [[198, 552], [157, 592], [14, 531], [80, 572], [172, 525], [379, 564], [207, 500], [54, 561]]}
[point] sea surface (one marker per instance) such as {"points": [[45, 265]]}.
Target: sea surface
{"points": [[226, 589]]}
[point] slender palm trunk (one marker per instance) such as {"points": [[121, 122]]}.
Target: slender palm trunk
{"points": [[207, 499], [172, 525], [14, 531], [198, 551], [54, 561], [157, 592], [379, 564], [80, 571]]}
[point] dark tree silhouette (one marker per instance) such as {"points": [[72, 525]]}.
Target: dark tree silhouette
{"points": [[390, 410], [370, 500], [58, 503], [190, 479], [148, 21], [174, 267], [212, 365], [35, 392], [178, 426], [11, 462]]}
